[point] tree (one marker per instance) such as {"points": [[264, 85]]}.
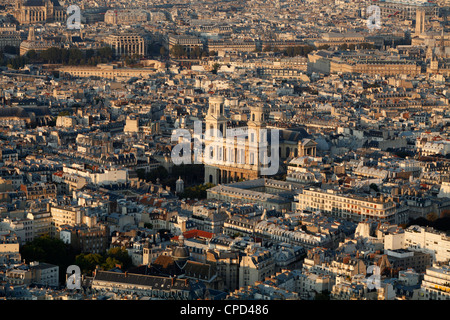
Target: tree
{"points": [[215, 67], [195, 53], [178, 51], [196, 192], [32, 55], [343, 46], [49, 250], [324, 295], [88, 262], [148, 225], [159, 172], [111, 263], [10, 49], [432, 216], [118, 256]]}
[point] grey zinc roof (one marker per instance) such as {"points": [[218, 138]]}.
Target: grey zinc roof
{"points": [[143, 280]]}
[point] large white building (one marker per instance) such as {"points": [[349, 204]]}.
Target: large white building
{"points": [[436, 283], [422, 239], [127, 44], [348, 206], [100, 177]]}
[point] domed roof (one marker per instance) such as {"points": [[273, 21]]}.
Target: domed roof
{"points": [[180, 252]]}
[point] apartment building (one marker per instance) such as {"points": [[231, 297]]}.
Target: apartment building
{"points": [[9, 249], [346, 206], [125, 17], [406, 9], [424, 239], [281, 233], [189, 42], [404, 259], [127, 44], [38, 273], [108, 72], [23, 228], [226, 264], [41, 223], [436, 283], [143, 285], [65, 215], [375, 67], [232, 45], [39, 191], [209, 219], [9, 38], [85, 239], [257, 264]]}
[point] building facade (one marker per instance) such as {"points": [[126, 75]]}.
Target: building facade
{"points": [[36, 11], [127, 44]]}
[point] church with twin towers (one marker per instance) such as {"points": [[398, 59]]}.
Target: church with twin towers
{"points": [[254, 151]]}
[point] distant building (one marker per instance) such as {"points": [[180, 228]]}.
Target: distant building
{"points": [[348, 206], [124, 17], [256, 265], [406, 9], [35, 11], [436, 283], [39, 191], [85, 239], [423, 239], [145, 285], [127, 44], [38, 273]]}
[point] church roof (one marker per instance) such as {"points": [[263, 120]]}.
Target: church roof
{"points": [[13, 112], [40, 3]]}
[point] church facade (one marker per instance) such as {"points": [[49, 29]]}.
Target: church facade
{"points": [[36, 11], [252, 152]]}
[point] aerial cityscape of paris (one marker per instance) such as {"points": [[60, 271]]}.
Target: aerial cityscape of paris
{"points": [[225, 151]]}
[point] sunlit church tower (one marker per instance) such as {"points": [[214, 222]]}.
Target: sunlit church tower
{"points": [[420, 21]]}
